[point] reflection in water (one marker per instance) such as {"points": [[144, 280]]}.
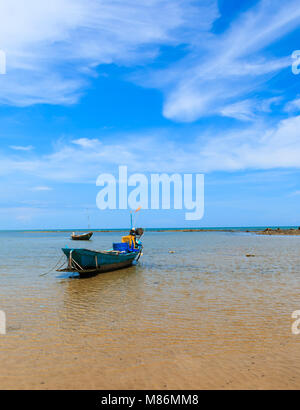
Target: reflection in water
{"points": [[204, 316], [87, 303]]}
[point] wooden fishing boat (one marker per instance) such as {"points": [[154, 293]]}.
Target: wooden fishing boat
{"points": [[82, 237], [89, 262], [86, 261]]}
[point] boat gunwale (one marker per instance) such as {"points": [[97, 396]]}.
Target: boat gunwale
{"points": [[108, 252]]}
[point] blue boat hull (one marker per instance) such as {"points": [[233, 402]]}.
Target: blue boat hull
{"points": [[85, 261]]}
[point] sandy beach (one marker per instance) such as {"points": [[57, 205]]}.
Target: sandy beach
{"points": [[275, 369]]}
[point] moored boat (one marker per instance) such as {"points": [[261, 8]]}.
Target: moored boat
{"points": [[82, 237], [87, 262]]}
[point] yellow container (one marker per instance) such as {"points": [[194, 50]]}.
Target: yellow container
{"points": [[129, 239]]}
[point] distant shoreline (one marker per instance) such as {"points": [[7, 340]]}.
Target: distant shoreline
{"points": [[254, 230], [279, 231]]}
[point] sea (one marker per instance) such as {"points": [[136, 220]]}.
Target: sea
{"points": [[197, 311]]}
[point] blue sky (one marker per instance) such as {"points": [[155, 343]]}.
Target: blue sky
{"points": [[194, 86]]}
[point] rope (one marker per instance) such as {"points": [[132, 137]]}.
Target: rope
{"points": [[140, 254], [54, 267]]}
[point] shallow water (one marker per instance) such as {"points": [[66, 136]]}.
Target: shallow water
{"points": [[205, 316]]}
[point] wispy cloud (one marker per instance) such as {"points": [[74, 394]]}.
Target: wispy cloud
{"points": [[249, 110], [293, 106], [21, 148], [255, 147], [57, 45], [241, 110], [86, 142], [220, 73], [42, 188]]}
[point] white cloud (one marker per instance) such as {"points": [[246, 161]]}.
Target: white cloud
{"points": [[86, 143], [42, 188], [21, 148], [249, 110], [255, 147], [293, 106], [223, 70], [242, 110], [53, 47]]}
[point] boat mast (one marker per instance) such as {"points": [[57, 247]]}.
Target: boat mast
{"points": [[88, 216], [131, 217]]}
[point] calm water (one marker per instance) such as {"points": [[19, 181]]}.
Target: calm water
{"points": [[204, 300]]}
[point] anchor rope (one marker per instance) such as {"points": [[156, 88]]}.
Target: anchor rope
{"points": [[54, 267]]}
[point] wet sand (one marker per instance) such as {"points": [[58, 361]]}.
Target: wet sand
{"points": [[175, 371], [205, 317]]}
